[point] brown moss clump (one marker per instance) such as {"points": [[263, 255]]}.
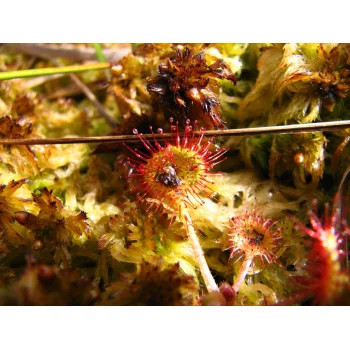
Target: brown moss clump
{"points": [[9, 204], [186, 87], [50, 286], [152, 285], [24, 105], [54, 229], [18, 159]]}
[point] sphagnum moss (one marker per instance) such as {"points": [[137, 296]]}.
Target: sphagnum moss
{"points": [[118, 242]]}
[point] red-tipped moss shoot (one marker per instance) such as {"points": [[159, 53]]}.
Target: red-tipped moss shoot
{"points": [[252, 236], [173, 175]]}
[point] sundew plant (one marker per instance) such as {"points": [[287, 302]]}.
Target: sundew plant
{"points": [[174, 209]]}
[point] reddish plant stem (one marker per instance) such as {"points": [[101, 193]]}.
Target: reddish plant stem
{"points": [[199, 254], [242, 273]]}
